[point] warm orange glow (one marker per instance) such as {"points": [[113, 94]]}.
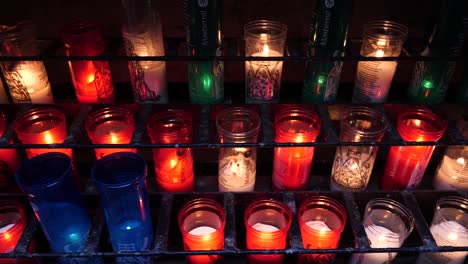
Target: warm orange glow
{"points": [[48, 138], [379, 53], [114, 139], [266, 50], [90, 78]]}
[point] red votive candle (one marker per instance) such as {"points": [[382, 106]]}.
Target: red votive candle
{"points": [[8, 159], [291, 166], [12, 224], [110, 125], [267, 223], [321, 220], [406, 164], [42, 126], [92, 79], [173, 166], [201, 222]]}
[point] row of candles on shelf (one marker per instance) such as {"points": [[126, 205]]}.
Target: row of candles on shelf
{"points": [[352, 165], [28, 82], [120, 179]]}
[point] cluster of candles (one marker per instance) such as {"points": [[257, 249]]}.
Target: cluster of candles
{"points": [[28, 81], [351, 169]]}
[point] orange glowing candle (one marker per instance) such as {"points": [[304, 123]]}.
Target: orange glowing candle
{"points": [[42, 126], [12, 224], [291, 167], [110, 125], [321, 220], [173, 166], [8, 159], [201, 222], [267, 223]]}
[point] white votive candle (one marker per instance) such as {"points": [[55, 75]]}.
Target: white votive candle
{"points": [[237, 173], [318, 225], [202, 231], [265, 227], [379, 237]]}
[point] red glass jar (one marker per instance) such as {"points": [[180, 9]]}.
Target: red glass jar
{"points": [[42, 126], [321, 220], [110, 125], [8, 159], [12, 223], [406, 164], [267, 223], [202, 222], [173, 166], [92, 79], [291, 166]]}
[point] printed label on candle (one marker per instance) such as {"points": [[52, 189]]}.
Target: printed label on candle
{"points": [[418, 172], [352, 167], [237, 172], [263, 78], [318, 225], [373, 80], [452, 174], [265, 227], [202, 231]]}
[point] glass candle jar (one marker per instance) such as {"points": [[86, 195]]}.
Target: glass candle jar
{"points": [[202, 222], [142, 33], [374, 78], [12, 224], [8, 159], [264, 38], [42, 126], [291, 165], [26, 80], [387, 224], [53, 195], [3, 94], [353, 165], [321, 220], [267, 223], [406, 164], [452, 173], [173, 166], [237, 166], [449, 227], [121, 181], [110, 125], [92, 79]]}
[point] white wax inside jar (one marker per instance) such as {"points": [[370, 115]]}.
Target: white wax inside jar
{"points": [[237, 173], [265, 227], [6, 228], [452, 174], [202, 230], [34, 78], [318, 225], [379, 237]]}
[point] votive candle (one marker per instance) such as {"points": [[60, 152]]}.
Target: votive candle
{"points": [[12, 224], [202, 222], [267, 223], [8, 159]]}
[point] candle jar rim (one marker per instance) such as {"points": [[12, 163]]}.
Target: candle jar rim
{"points": [[30, 174], [396, 208], [385, 29], [263, 204], [410, 133], [297, 112], [377, 119], [182, 135], [18, 31], [319, 202], [455, 202], [9, 206], [228, 115], [103, 171], [84, 33], [254, 28], [36, 114], [102, 115], [197, 204]]}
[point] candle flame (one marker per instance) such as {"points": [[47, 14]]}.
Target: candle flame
{"points": [[461, 161], [114, 139], [266, 50], [381, 42], [417, 122], [240, 150], [7, 236], [91, 78], [299, 139], [452, 236], [263, 36], [173, 163], [379, 53], [48, 138]]}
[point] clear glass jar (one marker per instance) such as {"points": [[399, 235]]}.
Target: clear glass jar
{"points": [[291, 165], [26, 80], [449, 227], [406, 165], [353, 165], [173, 166], [142, 33], [267, 223], [374, 78], [110, 125], [202, 222], [264, 38], [237, 166], [387, 224]]}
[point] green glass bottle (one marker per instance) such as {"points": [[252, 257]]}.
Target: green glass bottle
{"points": [[431, 78], [203, 25], [328, 33]]}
